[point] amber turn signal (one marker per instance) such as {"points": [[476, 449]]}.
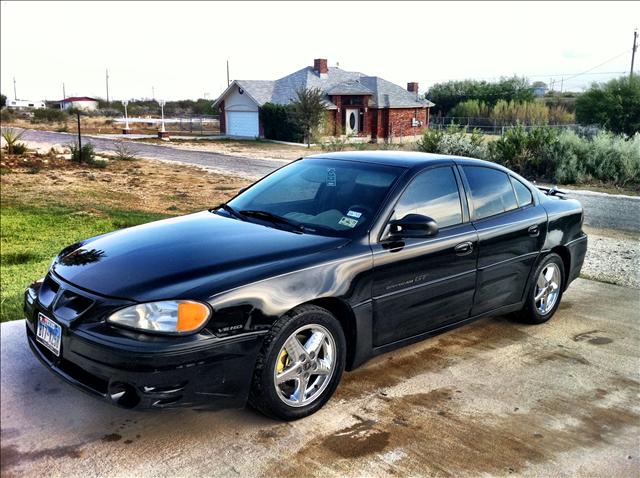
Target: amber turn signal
{"points": [[191, 316]]}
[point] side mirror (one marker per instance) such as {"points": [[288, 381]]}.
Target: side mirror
{"points": [[413, 225]]}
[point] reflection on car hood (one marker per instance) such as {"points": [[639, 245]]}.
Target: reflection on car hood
{"points": [[165, 259]]}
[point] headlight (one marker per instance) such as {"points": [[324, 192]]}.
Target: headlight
{"points": [[169, 316]]}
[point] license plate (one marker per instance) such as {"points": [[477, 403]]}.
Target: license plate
{"points": [[49, 333]]}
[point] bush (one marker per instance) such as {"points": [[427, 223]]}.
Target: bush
{"points": [[123, 152], [545, 153], [279, 123], [471, 108], [49, 115], [11, 137], [454, 140], [335, 144], [19, 148], [447, 95], [614, 105], [566, 157], [86, 154]]}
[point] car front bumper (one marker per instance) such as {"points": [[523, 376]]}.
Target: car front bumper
{"points": [[212, 373]]}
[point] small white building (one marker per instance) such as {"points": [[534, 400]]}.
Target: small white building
{"points": [[25, 104], [80, 103]]}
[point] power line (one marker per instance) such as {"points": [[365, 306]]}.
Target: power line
{"points": [[598, 66]]}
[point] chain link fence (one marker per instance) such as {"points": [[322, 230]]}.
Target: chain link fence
{"points": [[489, 125]]}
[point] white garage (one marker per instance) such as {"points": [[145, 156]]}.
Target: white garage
{"points": [[243, 123]]}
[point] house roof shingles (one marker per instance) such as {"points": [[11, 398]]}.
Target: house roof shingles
{"points": [[336, 81]]}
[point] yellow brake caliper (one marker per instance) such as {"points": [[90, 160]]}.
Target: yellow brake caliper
{"points": [[283, 361]]}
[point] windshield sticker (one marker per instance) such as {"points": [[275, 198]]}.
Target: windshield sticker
{"points": [[347, 221], [331, 177], [355, 214]]}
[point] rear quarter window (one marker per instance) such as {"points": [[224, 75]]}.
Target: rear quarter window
{"points": [[523, 193], [491, 191]]}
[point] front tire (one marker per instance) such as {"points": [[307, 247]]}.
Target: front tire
{"points": [[545, 291], [299, 365]]}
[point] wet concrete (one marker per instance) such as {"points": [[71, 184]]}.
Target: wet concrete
{"points": [[492, 398]]}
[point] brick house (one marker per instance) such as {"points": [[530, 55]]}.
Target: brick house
{"points": [[367, 107]]}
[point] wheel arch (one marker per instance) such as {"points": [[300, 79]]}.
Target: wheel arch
{"points": [[565, 255], [345, 315]]}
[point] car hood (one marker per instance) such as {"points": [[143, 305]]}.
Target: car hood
{"points": [[167, 259]]}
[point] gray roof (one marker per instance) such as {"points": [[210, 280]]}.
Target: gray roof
{"points": [[384, 94]]}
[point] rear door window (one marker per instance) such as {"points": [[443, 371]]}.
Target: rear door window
{"points": [[491, 191]]}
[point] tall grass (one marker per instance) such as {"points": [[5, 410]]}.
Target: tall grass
{"points": [[513, 112]]}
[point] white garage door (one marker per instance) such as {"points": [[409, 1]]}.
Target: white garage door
{"points": [[242, 123]]}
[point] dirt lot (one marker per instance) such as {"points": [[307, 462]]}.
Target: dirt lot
{"points": [[144, 185], [492, 398]]}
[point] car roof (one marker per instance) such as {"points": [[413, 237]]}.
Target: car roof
{"points": [[405, 159]]}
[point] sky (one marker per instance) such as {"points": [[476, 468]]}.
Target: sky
{"points": [[179, 50]]}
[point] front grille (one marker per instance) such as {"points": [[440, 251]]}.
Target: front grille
{"points": [[71, 305], [65, 304], [48, 291]]}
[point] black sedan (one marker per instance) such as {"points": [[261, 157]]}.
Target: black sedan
{"points": [[318, 267]]}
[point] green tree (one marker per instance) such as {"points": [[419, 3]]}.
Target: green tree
{"points": [[308, 108], [614, 105], [3, 101], [447, 95]]}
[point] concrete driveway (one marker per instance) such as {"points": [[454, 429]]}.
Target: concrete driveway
{"points": [[494, 397]]}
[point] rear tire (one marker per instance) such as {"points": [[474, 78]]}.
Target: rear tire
{"points": [[545, 291], [299, 365]]}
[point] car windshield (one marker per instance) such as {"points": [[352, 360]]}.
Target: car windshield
{"points": [[316, 196]]}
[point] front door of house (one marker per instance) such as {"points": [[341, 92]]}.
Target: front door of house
{"points": [[352, 118]]}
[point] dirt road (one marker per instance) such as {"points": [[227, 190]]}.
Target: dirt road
{"points": [[493, 397], [221, 163]]}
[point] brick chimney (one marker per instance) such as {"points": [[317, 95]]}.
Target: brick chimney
{"points": [[320, 66], [412, 87]]}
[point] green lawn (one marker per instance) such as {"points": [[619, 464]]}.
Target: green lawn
{"points": [[32, 236]]}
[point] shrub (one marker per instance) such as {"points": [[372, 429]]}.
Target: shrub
{"points": [[19, 148], [12, 136], [279, 123], [86, 154], [334, 144], [49, 115], [545, 153], [454, 140], [447, 95], [471, 108], [123, 152], [614, 105], [566, 157]]}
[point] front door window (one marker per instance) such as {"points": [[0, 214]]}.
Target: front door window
{"points": [[352, 121]]}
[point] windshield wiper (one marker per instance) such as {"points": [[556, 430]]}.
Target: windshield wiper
{"points": [[230, 210], [273, 218]]}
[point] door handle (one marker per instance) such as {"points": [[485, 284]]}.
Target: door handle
{"points": [[464, 248], [533, 231]]}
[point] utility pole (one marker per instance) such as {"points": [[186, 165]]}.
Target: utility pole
{"points": [[15, 95], [561, 84], [153, 93], [633, 51], [228, 82], [64, 94], [107, 79]]}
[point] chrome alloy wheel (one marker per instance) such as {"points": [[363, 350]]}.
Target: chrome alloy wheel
{"points": [[305, 365], [547, 288]]}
